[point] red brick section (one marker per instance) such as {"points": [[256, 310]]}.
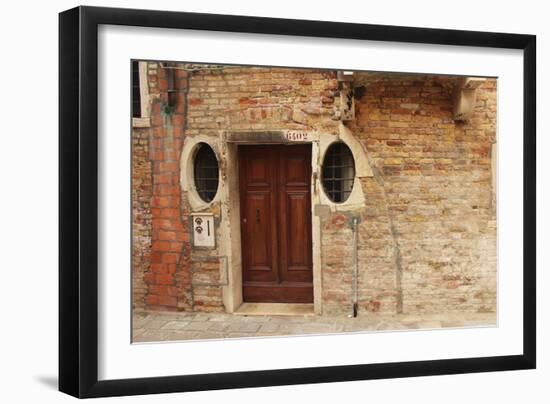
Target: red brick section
{"points": [[169, 280]]}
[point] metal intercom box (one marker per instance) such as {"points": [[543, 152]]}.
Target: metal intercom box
{"points": [[203, 230]]}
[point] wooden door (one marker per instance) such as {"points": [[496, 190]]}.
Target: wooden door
{"points": [[275, 193]]}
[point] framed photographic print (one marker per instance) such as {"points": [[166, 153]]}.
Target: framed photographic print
{"points": [[251, 201]]}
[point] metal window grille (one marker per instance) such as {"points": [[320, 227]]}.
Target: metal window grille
{"points": [[206, 172], [136, 94], [338, 172]]}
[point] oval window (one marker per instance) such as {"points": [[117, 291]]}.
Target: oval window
{"points": [[206, 173], [338, 172]]}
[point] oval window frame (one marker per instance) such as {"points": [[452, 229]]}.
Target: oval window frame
{"points": [[198, 192], [326, 155]]}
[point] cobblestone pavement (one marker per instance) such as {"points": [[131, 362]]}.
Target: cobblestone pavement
{"points": [[168, 326]]}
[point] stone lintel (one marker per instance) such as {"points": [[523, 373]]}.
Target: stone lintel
{"points": [[269, 136]]}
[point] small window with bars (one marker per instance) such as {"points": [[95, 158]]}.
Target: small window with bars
{"points": [[206, 172], [136, 92], [338, 172]]}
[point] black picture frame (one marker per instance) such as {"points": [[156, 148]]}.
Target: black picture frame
{"points": [[78, 196]]}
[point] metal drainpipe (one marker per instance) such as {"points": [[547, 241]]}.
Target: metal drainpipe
{"points": [[354, 222], [171, 84]]}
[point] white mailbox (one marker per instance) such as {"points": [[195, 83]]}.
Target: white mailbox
{"points": [[203, 230]]}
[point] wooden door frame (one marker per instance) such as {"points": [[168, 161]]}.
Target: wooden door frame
{"points": [[232, 294]]}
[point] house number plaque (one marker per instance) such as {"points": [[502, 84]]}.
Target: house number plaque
{"points": [[298, 136]]}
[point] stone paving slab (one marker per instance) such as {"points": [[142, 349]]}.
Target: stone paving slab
{"points": [[149, 326]]}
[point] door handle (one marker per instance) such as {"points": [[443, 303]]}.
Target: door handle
{"points": [[257, 215]]}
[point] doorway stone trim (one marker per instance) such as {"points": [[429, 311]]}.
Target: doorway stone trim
{"points": [[231, 139], [228, 233]]}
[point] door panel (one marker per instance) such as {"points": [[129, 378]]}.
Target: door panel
{"points": [[295, 215], [276, 223], [296, 223], [258, 169], [257, 216]]}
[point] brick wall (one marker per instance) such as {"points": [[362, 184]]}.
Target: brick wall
{"points": [[436, 178], [161, 278], [427, 230], [260, 99], [240, 99], [142, 191], [376, 256]]}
